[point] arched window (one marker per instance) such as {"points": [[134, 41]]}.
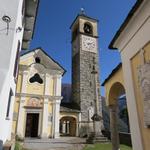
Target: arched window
{"points": [[37, 59]]}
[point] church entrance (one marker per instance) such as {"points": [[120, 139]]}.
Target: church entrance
{"points": [[32, 125]]}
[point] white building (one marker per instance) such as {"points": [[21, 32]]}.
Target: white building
{"points": [[133, 42], [17, 20]]}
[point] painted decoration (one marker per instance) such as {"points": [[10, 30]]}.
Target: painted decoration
{"points": [[34, 102]]}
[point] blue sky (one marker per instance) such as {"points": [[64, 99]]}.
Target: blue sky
{"points": [[52, 31]]}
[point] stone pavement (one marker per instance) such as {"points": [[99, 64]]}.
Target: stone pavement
{"points": [[63, 143]]}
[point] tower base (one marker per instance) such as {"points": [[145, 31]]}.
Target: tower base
{"points": [[96, 138]]}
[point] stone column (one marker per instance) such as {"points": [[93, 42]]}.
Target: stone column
{"points": [[64, 127], [21, 113], [97, 118], [77, 129], [67, 123], [114, 127]]}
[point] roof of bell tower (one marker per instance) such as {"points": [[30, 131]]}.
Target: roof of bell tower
{"points": [[83, 16]]}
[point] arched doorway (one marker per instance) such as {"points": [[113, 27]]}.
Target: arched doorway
{"points": [[68, 126], [116, 92]]}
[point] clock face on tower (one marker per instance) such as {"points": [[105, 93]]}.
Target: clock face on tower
{"points": [[89, 44]]}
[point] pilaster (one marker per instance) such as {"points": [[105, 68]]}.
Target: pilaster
{"points": [[21, 119], [56, 118], [21, 113], [56, 105], [45, 119], [45, 108], [57, 85]]}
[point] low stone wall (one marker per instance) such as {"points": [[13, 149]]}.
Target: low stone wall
{"points": [[125, 138]]}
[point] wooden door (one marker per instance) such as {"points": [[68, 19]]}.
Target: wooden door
{"points": [[32, 125]]}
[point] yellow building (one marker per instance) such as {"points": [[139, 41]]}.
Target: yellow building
{"points": [[133, 77], [38, 96]]}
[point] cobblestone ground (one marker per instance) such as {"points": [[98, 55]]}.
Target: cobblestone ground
{"points": [[63, 143]]}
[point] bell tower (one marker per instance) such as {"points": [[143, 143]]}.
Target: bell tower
{"points": [[85, 85]]}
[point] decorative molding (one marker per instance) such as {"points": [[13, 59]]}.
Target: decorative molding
{"points": [[35, 103], [51, 98], [52, 72]]}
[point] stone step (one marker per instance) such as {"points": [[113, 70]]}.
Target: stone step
{"points": [[101, 138], [96, 139], [103, 141]]}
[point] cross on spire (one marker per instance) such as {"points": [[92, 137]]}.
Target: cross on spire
{"points": [[82, 11]]}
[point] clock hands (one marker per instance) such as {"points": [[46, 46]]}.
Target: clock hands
{"points": [[90, 43]]}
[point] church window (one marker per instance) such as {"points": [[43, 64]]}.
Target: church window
{"points": [[16, 61], [36, 78], [37, 59], [23, 13], [9, 102]]}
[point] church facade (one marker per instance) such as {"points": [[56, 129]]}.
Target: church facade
{"points": [[38, 96]]}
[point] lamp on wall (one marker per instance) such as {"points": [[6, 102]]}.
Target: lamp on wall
{"points": [[6, 19]]}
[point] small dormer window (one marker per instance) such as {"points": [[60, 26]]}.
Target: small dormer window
{"points": [[37, 60], [36, 78]]}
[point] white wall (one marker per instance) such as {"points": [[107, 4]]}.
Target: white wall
{"points": [[8, 49]]}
